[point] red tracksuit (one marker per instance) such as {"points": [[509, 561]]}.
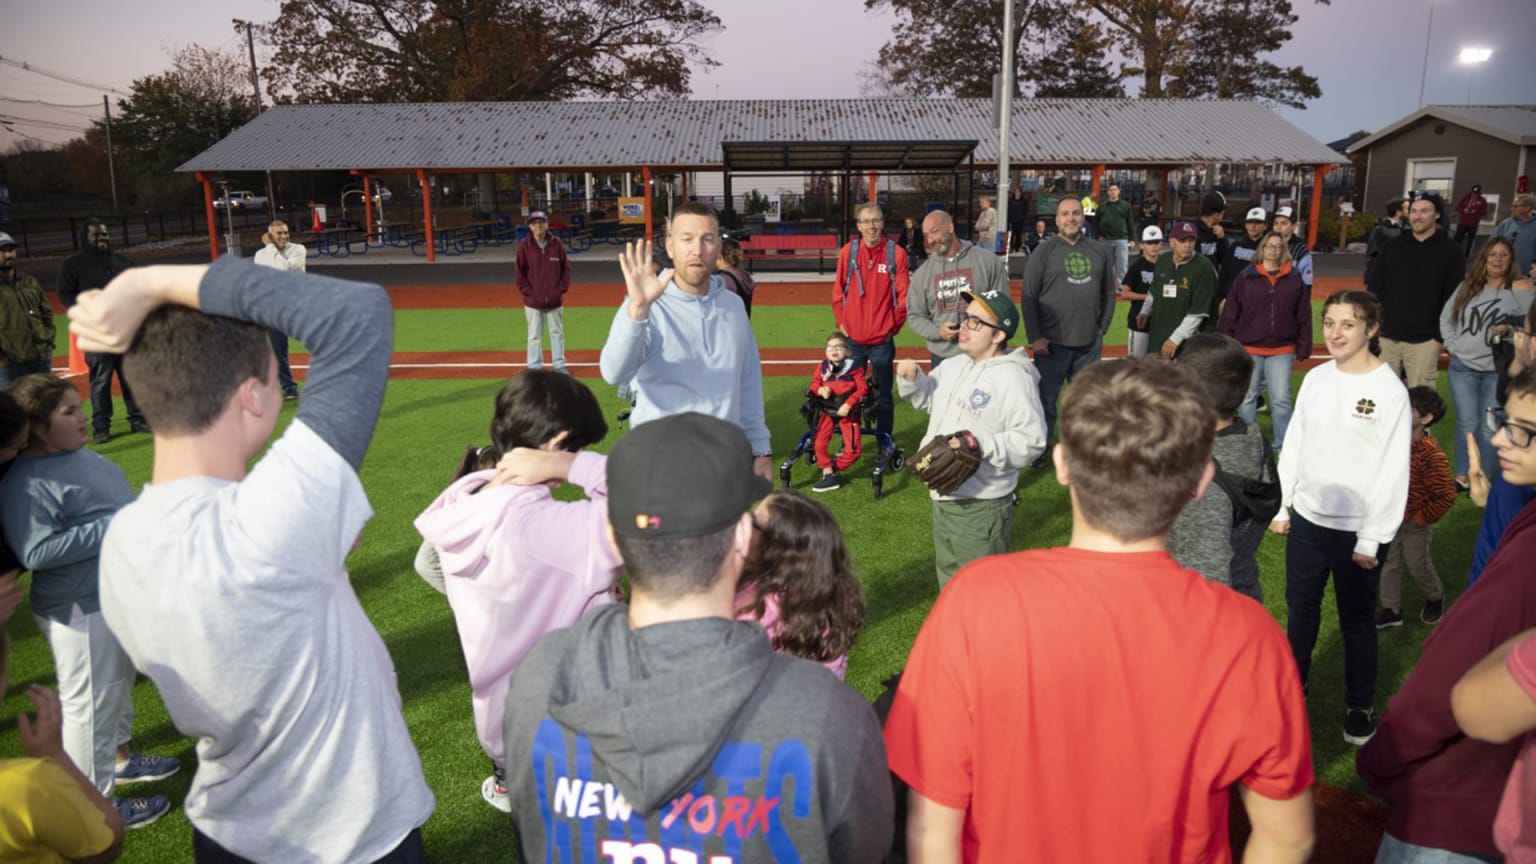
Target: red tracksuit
{"points": [[847, 384]]}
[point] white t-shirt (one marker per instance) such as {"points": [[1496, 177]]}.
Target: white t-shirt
{"points": [[234, 599]]}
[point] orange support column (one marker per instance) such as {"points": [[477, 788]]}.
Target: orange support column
{"points": [[213, 228], [77, 365], [1316, 210], [426, 214], [367, 206], [645, 188], [874, 187], [1098, 177]]}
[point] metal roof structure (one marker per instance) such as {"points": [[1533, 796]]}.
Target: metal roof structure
{"points": [[1513, 123], [909, 156], [693, 135]]}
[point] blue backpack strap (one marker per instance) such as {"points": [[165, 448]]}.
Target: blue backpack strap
{"points": [[853, 270]]}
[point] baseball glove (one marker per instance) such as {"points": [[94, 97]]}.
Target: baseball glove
{"points": [[947, 461]]}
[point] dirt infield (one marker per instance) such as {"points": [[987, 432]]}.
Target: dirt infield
{"points": [[505, 295]]}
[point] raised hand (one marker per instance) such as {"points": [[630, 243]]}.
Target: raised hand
{"points": [[1477, 480], [107, 320], [642, 287], [43, 737]]}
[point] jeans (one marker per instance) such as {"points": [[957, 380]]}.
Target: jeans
{"points": [[40, 366], [102, 368], [1466, 238], [536, 319], [881, 357], [1057, 368], [205, 851], [1473, 393], [1276, 371], [279, 342], [1119, 256], [1312, 552], [1395, 851]]}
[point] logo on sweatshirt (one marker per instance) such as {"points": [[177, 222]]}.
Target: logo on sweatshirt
{"points": [[978, 400], [1079, 268], [1364, 409]]}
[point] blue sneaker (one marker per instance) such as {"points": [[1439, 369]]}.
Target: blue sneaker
{"points": [[138, 812], [144, 768]]}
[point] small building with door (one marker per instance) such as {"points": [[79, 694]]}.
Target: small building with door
{"points": [[1448, 148]]}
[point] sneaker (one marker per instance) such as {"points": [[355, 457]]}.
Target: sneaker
{"points": [[101, 437], [495, 794], [1388, 618], [827, 483], [144, 768], [1359, 726], [290, 396], [1038, 463], [1463, 485], [138, 812], [138, 426], [1432, 611]]}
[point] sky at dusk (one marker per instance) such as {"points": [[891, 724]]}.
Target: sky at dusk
{"points": [[1367, 54]]}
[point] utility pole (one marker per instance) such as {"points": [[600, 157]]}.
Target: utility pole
{"points": [[250, 45], [1004, 133], [106, 109]]}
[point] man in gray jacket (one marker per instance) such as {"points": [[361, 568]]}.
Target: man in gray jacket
{"points": [[1069, 297], [667, 730], [934, 307]]}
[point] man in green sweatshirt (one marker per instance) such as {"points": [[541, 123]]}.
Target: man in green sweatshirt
{"points": [[1183, 289]]}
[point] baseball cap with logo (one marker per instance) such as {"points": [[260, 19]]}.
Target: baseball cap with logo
{"points": [[1287, 212], [1002, 307], [6, 241], [1183, 231], [1257, 215], [1152, 234], [538, 216], [685, 475]]}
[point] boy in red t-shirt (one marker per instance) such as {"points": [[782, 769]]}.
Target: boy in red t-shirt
{"points": [[838, 384], [1098, 702]]}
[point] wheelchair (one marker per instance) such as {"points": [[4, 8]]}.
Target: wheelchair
{"points": [[888, 457]]}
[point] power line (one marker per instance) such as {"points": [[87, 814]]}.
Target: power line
{"points": [[41, 102], [41, 124], [59, 76]]}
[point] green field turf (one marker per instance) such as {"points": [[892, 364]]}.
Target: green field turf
{"points": [[422, 431]]}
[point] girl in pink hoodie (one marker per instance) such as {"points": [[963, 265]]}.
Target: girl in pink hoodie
{"points": [[514, 562]]}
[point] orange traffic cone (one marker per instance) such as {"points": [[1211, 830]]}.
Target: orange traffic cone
{"points": [[76, 357], [316, 225]]}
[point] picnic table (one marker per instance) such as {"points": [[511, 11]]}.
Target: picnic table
{"points": [[761, 247]]}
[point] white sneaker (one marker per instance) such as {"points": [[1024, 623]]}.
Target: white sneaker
{"points": [[495, 795]]}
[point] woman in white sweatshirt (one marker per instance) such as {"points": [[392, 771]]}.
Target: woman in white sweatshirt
{"points": [[1344, 486]]}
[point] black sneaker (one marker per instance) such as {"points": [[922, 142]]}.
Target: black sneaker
{"points": [[827, 483], [139, 427], [1388, 618], [1359, 726], [100, 437], [1432, 611]]}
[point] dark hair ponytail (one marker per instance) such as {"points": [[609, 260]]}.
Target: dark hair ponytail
{"points": [[477, 459], [533, 407]]}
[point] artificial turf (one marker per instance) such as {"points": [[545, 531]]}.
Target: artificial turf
{"points": [[421, 433]]}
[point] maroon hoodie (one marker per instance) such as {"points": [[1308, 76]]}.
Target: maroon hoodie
{"points": [[543, 275], [1444, 787]]}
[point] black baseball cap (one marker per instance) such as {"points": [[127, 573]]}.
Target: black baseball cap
{"points": [[686, 475]]}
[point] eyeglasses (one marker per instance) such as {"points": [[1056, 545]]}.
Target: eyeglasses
{"points": [[971, 322], [1519, 436], [1520, 331]]}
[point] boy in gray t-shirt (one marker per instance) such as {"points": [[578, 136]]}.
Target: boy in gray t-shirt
{"points": [[1211, 535], [228, 586]]}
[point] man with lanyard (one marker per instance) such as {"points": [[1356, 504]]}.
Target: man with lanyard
{"points": [[1183, 289], [869, 303], [1301, 256], [1116, 225]]}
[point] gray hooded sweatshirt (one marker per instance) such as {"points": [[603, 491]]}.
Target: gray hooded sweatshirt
{"points": [[693, 737], [933, 297], [1069, 292]]}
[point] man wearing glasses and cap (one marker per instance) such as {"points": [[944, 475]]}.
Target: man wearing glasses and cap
{"points": [[985, 400], [26, 321]]}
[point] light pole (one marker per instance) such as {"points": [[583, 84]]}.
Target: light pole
{"points": [[1424, 68], [1472, 58]]}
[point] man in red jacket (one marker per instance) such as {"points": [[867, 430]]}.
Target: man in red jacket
{"points": [[543, 276], [1444, 786], [869, 302], [1469, 214]]}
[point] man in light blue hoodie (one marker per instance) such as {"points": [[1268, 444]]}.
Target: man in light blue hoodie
{"points": [[685, 341], [990, 396]]}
